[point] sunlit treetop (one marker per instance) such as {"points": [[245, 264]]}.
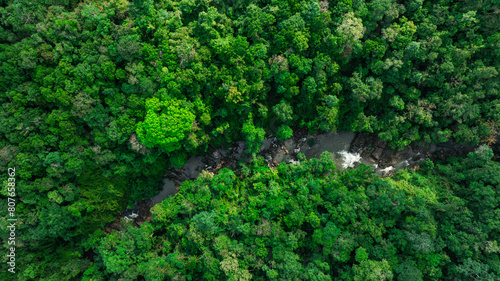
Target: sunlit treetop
{"points": [[165, 124]]}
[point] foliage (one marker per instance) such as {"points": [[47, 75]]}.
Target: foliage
{"points": [[99, 98], [166, 129], [284, 132], [311, 221]]}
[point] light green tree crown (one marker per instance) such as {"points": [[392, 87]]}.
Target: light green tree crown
{"points": [[165, 124]]}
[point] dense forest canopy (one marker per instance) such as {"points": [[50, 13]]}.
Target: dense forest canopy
{"points": [[100, 98], [313, 222]]}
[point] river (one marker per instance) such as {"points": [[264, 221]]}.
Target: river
{"points": [[348, 150]]}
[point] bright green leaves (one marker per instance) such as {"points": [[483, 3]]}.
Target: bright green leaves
{"points": [[361, 254], [295, 219], [480, 157], [266, 221], [165, 124], [293, 33], [397, 102], [284, 132], [59, 96], [370, 270], [253, 136], [374, 50], [326, 236], [203, 111], [121, 252], [302, 65], [75, 83], [108, 70], [61, 125], [332, 101], [329, 114], [54, 196], [206, 221], [400, 35], [255, 21]]}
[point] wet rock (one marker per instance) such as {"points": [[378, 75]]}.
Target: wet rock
{"points": [[383, 172], [401, 165], [377, 153], [168, 189], [216, 155], [359, 142], [281, 156], [370, 160], [241, 147], [132, 213], [390, 156], [233, 165], [266, 144], [193, 167], [289, 144], [332, 142], [237, 149], [348, 150], [305, 143], [375, 150], [223, 153]]}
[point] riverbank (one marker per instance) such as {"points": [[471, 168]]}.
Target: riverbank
{"points": [[348, 149]]}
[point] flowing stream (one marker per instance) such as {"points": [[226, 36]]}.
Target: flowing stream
{"points": [[275, 152]]}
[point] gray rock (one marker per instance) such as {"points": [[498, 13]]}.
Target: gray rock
{"points": [[266, 144], [223, 153], [193, 167], [281, 157], [216, 154], [168, 190], [241, 147], [377, 153], [328, 142], [289, 144]]}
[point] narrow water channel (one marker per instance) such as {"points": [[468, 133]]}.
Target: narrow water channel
{"points": [[275, 152]]}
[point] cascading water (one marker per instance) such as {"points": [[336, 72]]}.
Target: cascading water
{"points": [[349, 160], [337, 143]]}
